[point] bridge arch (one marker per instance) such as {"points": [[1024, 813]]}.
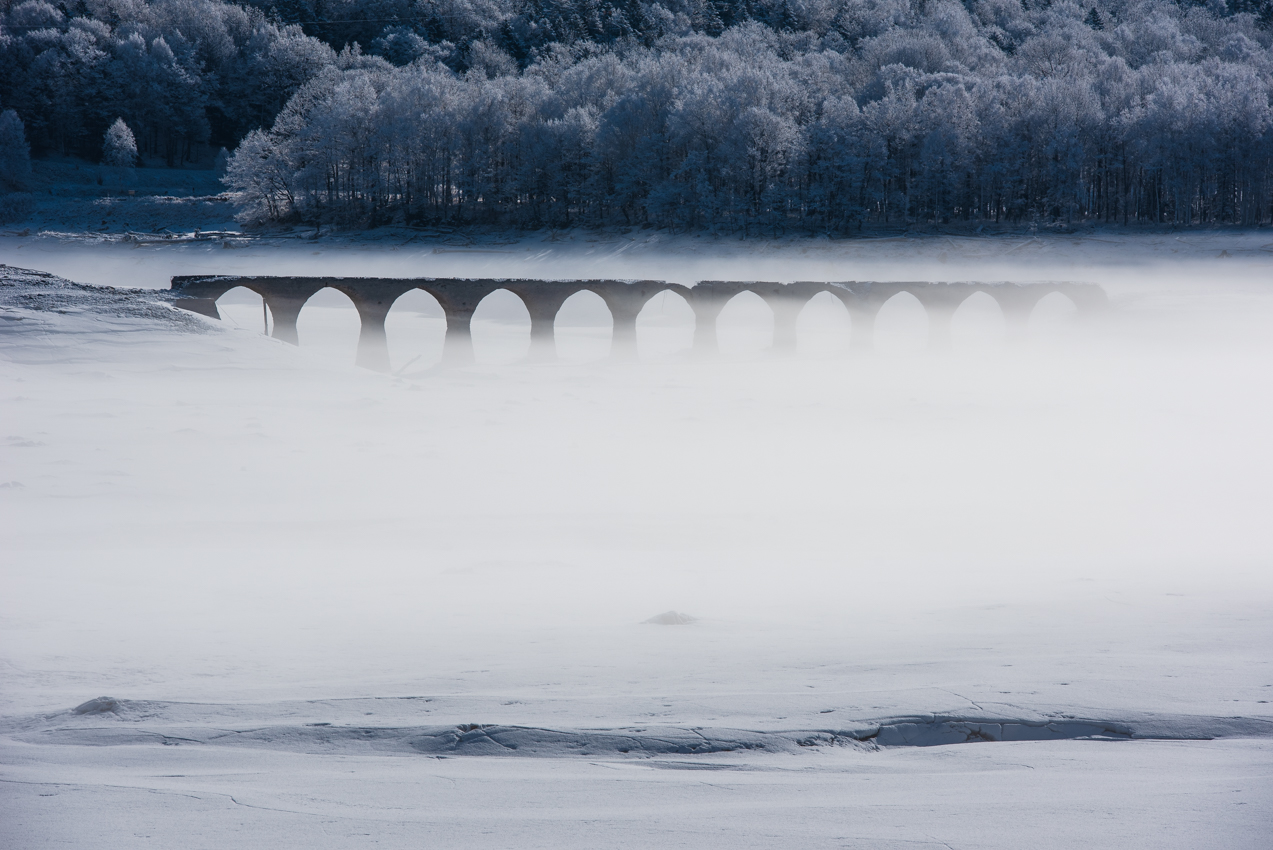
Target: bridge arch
{"points": [[665, 324], [415, 330], [329, 321], [243, 307], [1053, 313], [583, 327], [978, 322], [901, 324], [501, 327], [745, 324], [824, 325]]}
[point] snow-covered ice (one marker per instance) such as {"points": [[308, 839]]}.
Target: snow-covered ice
{"points": [[334, 608]]}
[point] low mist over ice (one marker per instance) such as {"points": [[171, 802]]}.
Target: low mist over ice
{"points": [[288, 500], [1069, 524]]}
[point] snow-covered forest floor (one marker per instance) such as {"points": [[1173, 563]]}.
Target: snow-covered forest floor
{"points": [[326, 603]]}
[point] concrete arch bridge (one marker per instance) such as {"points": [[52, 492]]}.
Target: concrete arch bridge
{"points": [[459, 297]]}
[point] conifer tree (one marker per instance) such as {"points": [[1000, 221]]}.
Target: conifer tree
{"points": [[119, 149]]}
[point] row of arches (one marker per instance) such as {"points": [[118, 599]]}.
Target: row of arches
{"points": [[582, 328]]}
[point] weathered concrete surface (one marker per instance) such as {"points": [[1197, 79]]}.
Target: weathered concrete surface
{"points": [[459, 297]]}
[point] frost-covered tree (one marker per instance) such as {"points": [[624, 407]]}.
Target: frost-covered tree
{"points": [[187, 76], [15, 155], [262, 175], [119, 148], [825, 115]]}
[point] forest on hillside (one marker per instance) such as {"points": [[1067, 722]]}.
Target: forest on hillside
{"points": [[746, 116]]}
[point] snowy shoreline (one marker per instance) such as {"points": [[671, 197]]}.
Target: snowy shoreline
{"points": [[1152, 263]]}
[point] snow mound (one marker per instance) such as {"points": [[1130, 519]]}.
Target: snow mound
{"points": [[27, 293], [671, 618], [101, 705], [45, 320]]}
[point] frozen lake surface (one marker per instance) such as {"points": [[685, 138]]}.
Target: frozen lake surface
{"points": [[288, 573]]}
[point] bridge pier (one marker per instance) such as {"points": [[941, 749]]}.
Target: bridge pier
{"points": [[1016, 320], [939, 338], [543, 309], [786, 310], [861, 327], [373, 344], [624, 305], [457, 346], [623, 338], [706, 309], [940, 303], [285, 310], [458, 299]]}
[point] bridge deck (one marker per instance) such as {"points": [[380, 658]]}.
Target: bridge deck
{"points": [[459, 297]]}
